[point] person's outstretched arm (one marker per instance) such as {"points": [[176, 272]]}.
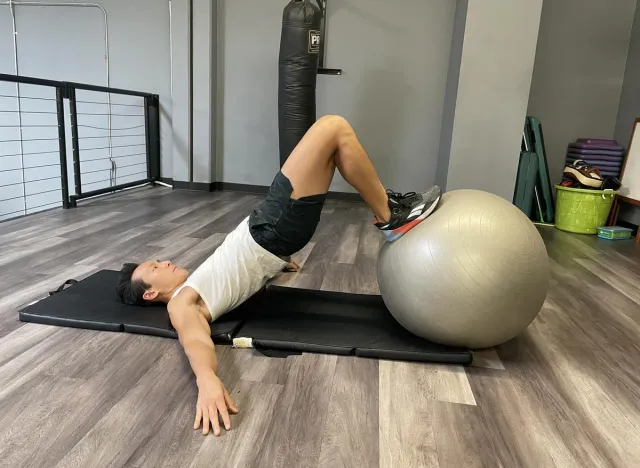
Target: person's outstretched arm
{"points": [[195, 337]]}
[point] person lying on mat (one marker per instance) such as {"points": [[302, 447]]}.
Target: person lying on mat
{"points": [[261, 246]]}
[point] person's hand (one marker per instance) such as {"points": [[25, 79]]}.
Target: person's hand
{"points": [[213, 398], [292, 267]]}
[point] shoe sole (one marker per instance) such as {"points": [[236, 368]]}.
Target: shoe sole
{"points": [[584, 180], [396, 234]]}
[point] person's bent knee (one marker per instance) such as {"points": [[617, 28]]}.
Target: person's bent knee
{"points": [[337, 126], [335, 121]]}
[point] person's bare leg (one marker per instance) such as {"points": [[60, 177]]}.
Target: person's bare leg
{"points": [[331, 142]]}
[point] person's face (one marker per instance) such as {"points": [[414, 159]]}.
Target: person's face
{"points": [[163, 278]]}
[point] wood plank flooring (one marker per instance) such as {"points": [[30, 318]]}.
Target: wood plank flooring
{"points": [[566, 393]]}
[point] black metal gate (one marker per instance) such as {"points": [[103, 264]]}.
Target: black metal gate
{"points": [[107, 138]]}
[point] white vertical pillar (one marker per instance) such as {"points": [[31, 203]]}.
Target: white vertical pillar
{"points": [[488, 105]]}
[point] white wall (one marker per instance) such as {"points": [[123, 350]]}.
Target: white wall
{"points": [[67, 44], [578, 72], [44, 34], [629, 108], [395, 57]]}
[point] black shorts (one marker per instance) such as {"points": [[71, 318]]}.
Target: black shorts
{"points": [[282, 225]]}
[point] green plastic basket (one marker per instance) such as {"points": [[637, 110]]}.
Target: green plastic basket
{"points": [[582, 210]]}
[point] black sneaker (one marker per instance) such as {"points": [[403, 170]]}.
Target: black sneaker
{"points": [[611, 183], [407, 211]]}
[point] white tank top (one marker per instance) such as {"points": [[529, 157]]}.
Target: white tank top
{"points": [[234, 272]]}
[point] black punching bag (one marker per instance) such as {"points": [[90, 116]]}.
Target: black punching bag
{"points": [[299, 53]]}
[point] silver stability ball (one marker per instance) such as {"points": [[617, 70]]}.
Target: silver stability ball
{"points": [[475, 273]]}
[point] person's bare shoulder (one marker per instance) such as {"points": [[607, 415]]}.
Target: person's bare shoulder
{"points": [[186, 302]]}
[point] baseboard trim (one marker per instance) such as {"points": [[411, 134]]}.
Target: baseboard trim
{"points": [[246, 188], [195, 186], [345, 196], [231, 187]]}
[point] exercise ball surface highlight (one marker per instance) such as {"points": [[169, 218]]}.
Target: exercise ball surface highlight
{"points": [[475, 273]]}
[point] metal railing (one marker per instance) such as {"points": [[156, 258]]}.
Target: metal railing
{"points": [[32, 147], [107, 138]]}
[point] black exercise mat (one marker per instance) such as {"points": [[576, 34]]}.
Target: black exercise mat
{"points": [[94, 304], [278, 320], [304, 320]]}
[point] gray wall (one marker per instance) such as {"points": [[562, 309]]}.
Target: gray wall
{"points": [[395, 57], [194, 89], [180, 83], [204, 90], [65, 43], [578, 72]]}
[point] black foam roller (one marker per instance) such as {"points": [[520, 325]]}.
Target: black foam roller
{"points": [[299, 54]]}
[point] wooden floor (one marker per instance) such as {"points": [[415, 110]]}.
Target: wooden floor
{"points": [[566, 393]]}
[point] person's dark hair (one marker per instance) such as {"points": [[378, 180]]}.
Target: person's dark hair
{"points": [[130, 290]]}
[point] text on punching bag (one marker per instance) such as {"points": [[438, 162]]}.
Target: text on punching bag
{"points": [[314, 42]]}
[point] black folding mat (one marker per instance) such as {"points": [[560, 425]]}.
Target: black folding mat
{"points": [[277, 321]]}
